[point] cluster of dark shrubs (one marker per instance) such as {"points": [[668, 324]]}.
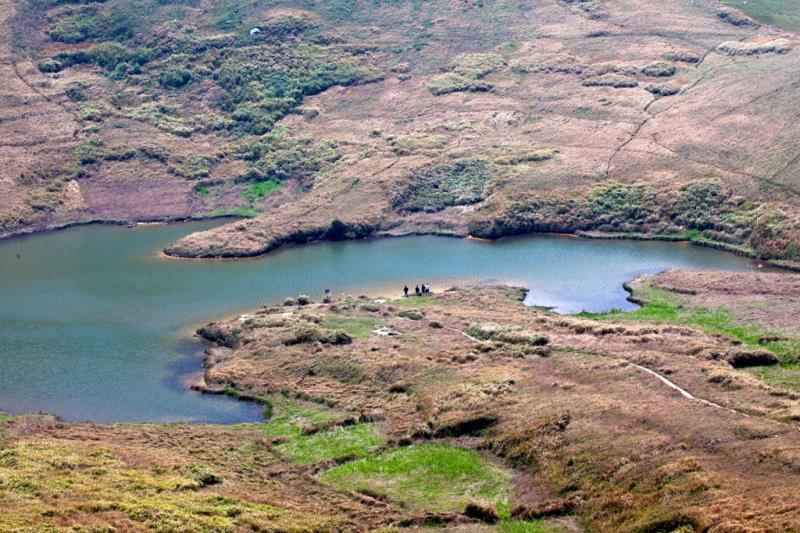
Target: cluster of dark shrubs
{"points": [[278, 157], [702, 211], [615, 82], [262, 84], [436, 187], [263, 78], [87, 23], [109, 56]]}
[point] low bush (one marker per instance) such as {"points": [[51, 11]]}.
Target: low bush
{"points": [[108, 55], [745, 358], [193, 167], [659, 69], [79, 24], [411, 314], [454, 83], [436, 187], [174, 77]]}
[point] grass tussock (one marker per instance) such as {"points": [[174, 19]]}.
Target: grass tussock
{"points": [[736, 48], [533, 445]]}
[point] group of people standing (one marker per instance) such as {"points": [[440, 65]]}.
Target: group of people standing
{"points": [[419, 290]]}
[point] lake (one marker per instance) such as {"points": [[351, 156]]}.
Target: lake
{"points": [[96, 325]]}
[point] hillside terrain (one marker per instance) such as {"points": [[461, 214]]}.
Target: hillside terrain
{"points": [[464, 410], [628, 117]]}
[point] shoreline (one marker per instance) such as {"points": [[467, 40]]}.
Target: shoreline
{"points": [[32, 231], [578, 234]]}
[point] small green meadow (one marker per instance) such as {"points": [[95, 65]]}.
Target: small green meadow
{"points": [[430, 477]]}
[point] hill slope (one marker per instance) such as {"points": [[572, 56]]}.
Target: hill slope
{"points": [[457, 117]]}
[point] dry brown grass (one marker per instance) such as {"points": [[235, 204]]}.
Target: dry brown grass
{"points": [[616, 446], [712, 119]]}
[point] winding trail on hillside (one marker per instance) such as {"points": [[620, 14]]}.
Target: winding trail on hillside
{"points": [[651, 115], [672, 385], [683, 392]]}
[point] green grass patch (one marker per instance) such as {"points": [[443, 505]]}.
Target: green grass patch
{"points": [[533, 526], [260, 189], [357, 327], [349, 441], [289, 417], [784, 14], [412, 301], [433, 477], [235, 211], [785, 376], [4, 417]]}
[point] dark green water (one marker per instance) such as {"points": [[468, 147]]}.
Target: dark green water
{"points": [[95, 326]]}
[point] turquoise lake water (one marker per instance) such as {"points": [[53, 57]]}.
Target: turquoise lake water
{"points": [[97, 326]]}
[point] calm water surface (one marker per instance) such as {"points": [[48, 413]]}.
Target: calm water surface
{"points": [[96, 326]]}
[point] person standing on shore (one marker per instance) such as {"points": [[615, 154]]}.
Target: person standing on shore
{"points": [[405, 291], [416, 290]]}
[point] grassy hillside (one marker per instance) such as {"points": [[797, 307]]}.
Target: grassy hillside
{"points": [[784, 14], [447, 116], [475, 414]]}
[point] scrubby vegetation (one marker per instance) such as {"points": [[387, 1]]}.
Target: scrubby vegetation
{"points": [[659, 69], [52, 482], [434, 188], [466, 74], [702, 211]]}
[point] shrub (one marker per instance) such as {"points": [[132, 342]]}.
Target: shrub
{"points": [[481, 511], [107, 55], [478, 65], [614, 205], [337, 230], [203, 475], [659, 69], [662, 90], [303, 300], [193, 167], [610, 80], [289, 301], [78, 25], [736, 48], [286, 25], [454, 83], [161, 117], [436, 187], [528, 157], [746, 358], [533, 444], [174, 77], [411, 314]]}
